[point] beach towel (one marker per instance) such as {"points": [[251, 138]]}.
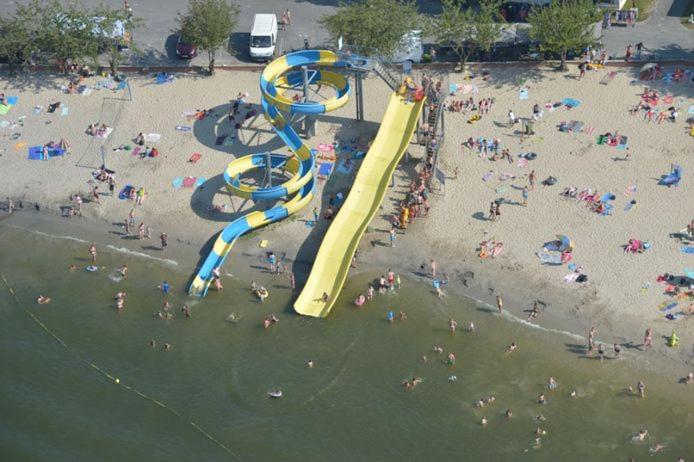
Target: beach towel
{"points": [[11, 102], [19, 146], [163, 77], [550, 258], [200, 181], [64, 111], [522, 163], [668, 99], [189, 181], [345, 168], [452, 88], [137, 151], [4, 123], [84, 90], [488, 175], [571, 277], [474, 119], [523, 94], [37, 110], [325, 169], [36, 153], [195, 157], [124, 193], [183, 128], [177, 182], [570, 103], [220, 140], [622, 142], [667, 305], [688, 249], [578, 126], [691, 109], [104, 133], [152, 137], [121, 85], [689, 272]]}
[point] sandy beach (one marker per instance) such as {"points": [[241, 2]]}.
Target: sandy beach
{"points": [[620, 297]]}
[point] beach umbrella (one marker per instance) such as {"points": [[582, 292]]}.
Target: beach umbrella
{"points": [[565, 242]]}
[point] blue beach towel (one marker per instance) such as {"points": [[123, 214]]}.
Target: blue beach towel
{"points": [[688, 249], [12, 100], [163, 78], [343, 168], [177, 182], [523, 93], [325, 169], [199, 182], [570, 102], [125, 192], [36, 153], [64, 111]]}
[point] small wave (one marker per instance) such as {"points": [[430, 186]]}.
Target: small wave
{"points": [[515, 318], [55, 236], [142, 255]]}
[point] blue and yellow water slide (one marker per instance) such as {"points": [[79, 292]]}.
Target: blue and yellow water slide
{"points": [[331, 264], [279, 76]]}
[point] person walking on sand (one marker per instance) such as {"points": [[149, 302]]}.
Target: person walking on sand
{"points": [[141, 230], [131, 218], [511, 118], [164, 240], [500, 303], [392, 236], [126, 225], [433, 268], [591, 339], [492, 211], [524, 194], [92, 252], [497, 211], [648, 338], [531, 180]]}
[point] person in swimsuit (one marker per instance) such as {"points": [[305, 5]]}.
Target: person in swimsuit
{"points": [[511, 348], [42, 300]]}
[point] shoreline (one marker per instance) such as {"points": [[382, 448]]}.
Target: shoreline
{"points": [[555, 318]]}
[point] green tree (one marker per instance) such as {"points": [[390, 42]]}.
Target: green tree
{"points": [[374, 24], [113, 31], [20, 33], [466, 29], [67, 33], [564, 25], [209, 24]]}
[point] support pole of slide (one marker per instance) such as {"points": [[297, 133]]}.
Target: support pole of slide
{"points": [[308, 122], [359, 90]]}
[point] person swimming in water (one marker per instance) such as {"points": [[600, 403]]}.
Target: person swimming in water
{"points": [[509, 414], [123, 271], [450, 359], [541, 399], [484, 421], [186, 311], [573, 394], [642, 435], [452, 325], [310, 363], [551, 383], [42, 300], [72, 268], [511, 348], [438, 349], [120, 303]]}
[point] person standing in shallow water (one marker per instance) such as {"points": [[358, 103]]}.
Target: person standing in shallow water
{"points": [[92, 252], [499, 304]]}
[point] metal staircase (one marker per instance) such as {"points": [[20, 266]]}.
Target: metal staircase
{"points": [[385, 74]]}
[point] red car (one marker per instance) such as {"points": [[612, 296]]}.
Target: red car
{"points": [[185, 49]]}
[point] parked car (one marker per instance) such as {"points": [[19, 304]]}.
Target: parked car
{"points": [[185, 49]]}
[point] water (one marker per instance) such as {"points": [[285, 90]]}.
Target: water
{"points": [[56, 405]]}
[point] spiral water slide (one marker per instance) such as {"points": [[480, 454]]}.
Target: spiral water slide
{"points": [[279, 76], [331, 265]]}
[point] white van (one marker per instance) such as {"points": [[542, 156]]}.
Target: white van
{"points": [[409, 48], [263, 37]]}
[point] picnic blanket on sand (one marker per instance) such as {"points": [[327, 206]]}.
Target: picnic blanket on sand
{"points": [[152, 137], [570, 102], [36, 152], [125, 192], [187, 182], [11, 102]]}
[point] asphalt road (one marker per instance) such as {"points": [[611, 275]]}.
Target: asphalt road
{"points": [[157, 39]]}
